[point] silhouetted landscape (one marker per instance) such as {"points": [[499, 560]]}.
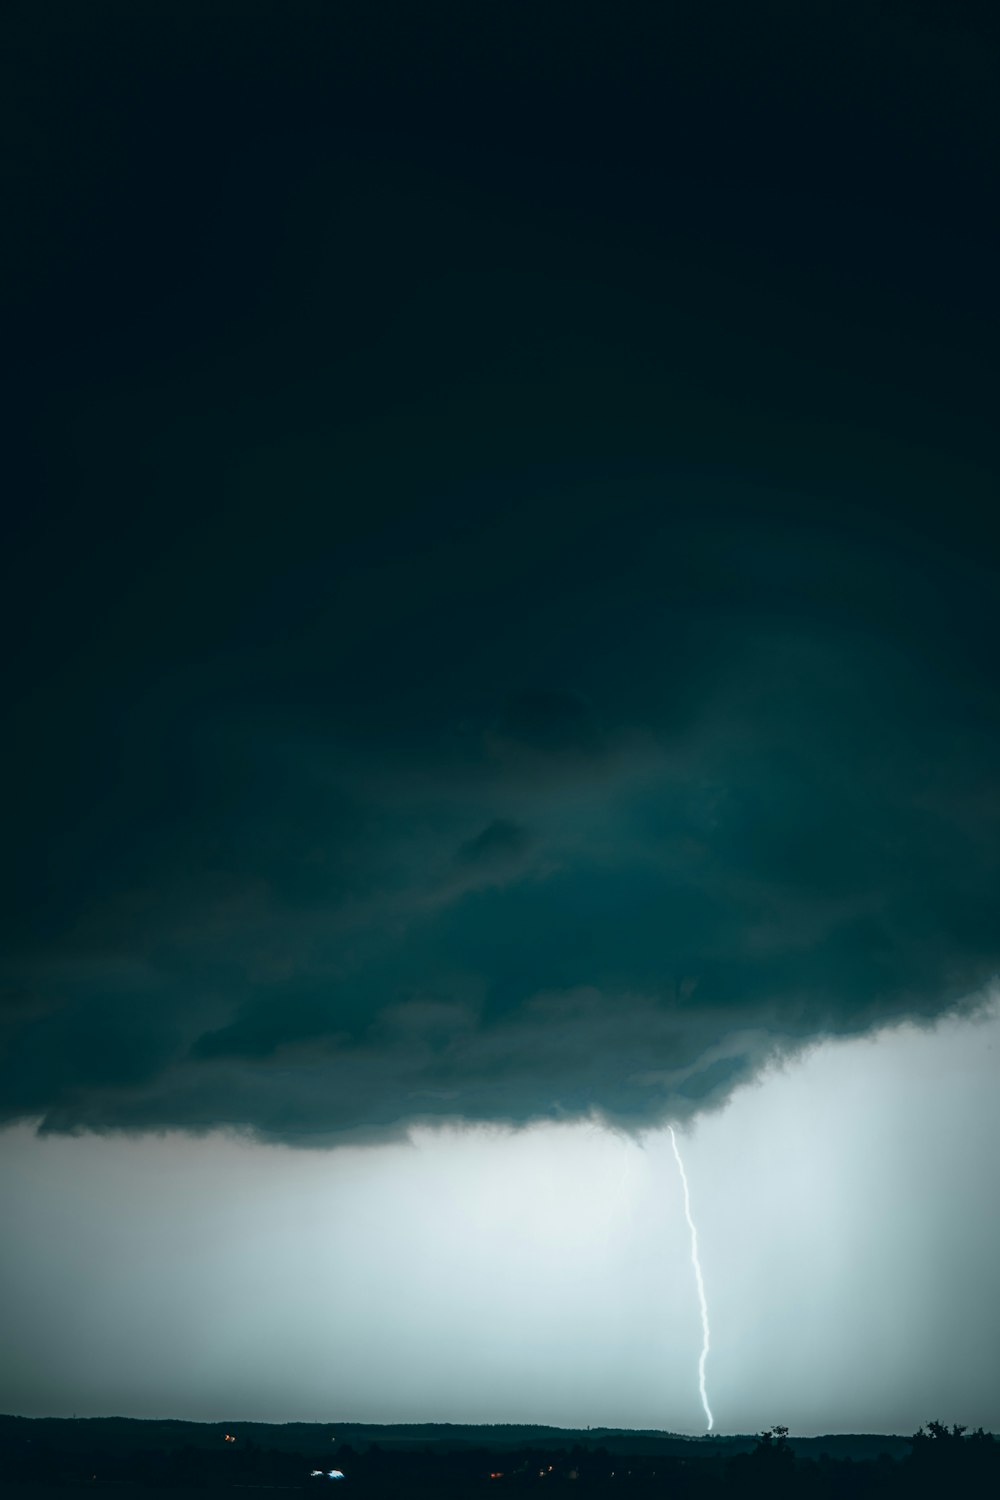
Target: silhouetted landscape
{"points": [[48, 1456]]}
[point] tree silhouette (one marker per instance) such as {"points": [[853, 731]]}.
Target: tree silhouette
{"points": [[769, 1469], [943, 1459]]}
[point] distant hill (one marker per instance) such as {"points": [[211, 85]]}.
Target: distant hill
{"points": [[130, 1434]]}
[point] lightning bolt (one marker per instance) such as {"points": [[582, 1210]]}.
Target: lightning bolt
{"points": [[702, 1302]]}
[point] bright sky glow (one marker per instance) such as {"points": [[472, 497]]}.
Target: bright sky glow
{"points": [[541, 1275]]}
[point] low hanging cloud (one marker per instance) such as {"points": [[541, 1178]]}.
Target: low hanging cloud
{"points": [[749, 828], [561, 917]]}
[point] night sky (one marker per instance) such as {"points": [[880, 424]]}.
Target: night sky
{"points": [[500, 589]]}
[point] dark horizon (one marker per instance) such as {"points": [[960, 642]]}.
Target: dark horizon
{"points": [[454, 1460], [350, 1431]]}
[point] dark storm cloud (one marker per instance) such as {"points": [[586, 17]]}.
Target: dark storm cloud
{"points": [[492, 641], [497, 844], [550, 722], [353, 937]]}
